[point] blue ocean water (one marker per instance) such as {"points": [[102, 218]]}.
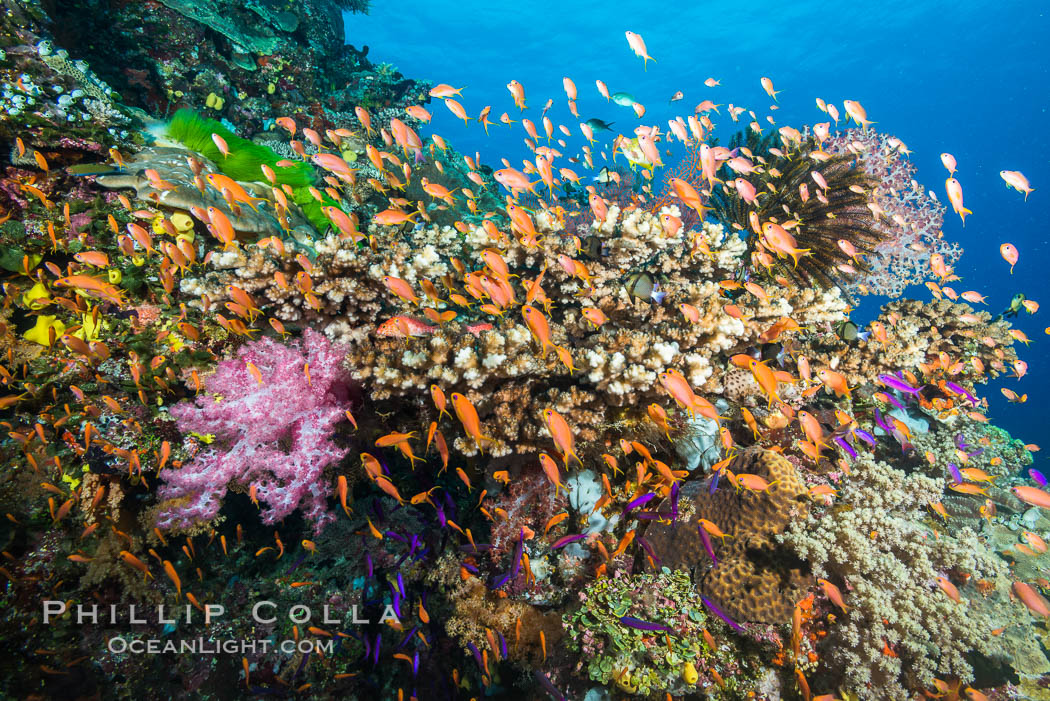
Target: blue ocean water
{"points": [[959, 77]]}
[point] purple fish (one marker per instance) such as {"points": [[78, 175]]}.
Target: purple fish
{"points": [[415, 663], [518, 549], [899, 385], [477, 655], [375, 648], [880, 423], [893, 400], [713, 486], [1037, 476], [562, 542], [634, 503], [502, 645], [864, 436], [956, 389], [722, 614], [648, 549], [368, 563], [960, 441], [545, 682], [632, 622], [957, 477], [841, 442], [706, 540], [406, 638], [674, 503]]}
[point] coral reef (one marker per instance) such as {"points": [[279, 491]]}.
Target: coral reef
{"points": [[616, 651]]}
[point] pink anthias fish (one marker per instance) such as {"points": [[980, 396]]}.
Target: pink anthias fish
{"points": [[637, 45], [1016, 180]]}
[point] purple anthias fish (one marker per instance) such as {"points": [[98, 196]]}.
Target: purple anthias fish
{"points": [[648, 549], [841, 442], [706, 540], [562, 542], [477, 654], [898, 384], [407, 637], [722, 614], [674, 503], [960, 441], [1037, 476], [545, 682], [880, 423], [518, 549], [894, 401], [635, 503], [956, 389], [956, 475], [713, 486], [632, 622], [864, 436]]}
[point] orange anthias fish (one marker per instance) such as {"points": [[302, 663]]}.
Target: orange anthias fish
{"points": [[468, 416], [562, 435]]}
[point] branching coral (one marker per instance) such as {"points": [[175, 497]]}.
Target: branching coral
{"points": [[941, 340], [499, 369], [873, 544], [271, 411]]}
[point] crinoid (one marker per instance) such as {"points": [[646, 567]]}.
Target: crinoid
{"points": [[834, 225]]}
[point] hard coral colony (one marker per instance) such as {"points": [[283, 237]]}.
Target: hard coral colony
{"points": [[264, 341]]}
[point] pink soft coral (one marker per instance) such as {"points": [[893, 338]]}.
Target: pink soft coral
{"points": [[275, 436], [913, 218]]}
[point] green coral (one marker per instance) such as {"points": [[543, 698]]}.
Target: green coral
{"points": [[648, 663]]}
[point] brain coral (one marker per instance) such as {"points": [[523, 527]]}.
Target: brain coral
{"points": [[755, 579]]}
